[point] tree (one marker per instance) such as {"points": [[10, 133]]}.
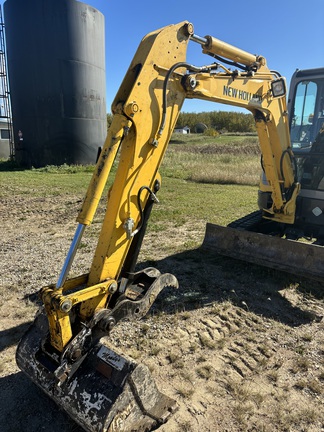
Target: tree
{"points": [[109, 120], [219, 120]]}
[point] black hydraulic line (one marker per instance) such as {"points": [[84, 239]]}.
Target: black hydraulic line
{"points": [[292, 160], [190, 68], [132, 255], [288, 192], [152, 197], [276, 73]]}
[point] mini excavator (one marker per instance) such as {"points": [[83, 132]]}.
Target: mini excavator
{"points": [[62, 352]]}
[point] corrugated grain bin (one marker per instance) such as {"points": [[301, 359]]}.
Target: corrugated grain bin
{"points": [[56, 63]]}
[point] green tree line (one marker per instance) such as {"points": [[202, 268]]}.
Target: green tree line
{"points": [[218, 120]]}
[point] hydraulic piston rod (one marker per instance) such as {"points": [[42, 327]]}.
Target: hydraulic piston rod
{"points": [[70, 256], [212, 45]]}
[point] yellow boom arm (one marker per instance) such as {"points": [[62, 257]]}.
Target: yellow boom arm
{"points": [[146, 110]]}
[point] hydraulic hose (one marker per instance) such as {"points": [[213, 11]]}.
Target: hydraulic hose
{"points": [[190, 68]]}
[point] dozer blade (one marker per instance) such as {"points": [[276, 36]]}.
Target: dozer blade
{"points": [[106, 393], [286, 255]]}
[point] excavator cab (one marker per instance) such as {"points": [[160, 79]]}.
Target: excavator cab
{"points": [[306, 109], [306, 123], [258, 239]]}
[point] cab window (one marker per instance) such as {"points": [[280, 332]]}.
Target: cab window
{"points": [[303, 114]]}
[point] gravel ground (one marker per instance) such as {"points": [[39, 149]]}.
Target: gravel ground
{"points": [[239, 347]]}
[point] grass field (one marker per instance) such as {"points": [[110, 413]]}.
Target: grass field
{"points": [[203, 178]]}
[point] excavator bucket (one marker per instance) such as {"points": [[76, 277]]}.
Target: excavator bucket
{"points": [[298, 258], [106, 393]]}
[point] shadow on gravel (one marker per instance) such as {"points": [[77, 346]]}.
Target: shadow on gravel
{"points": [[206, 279], [24, 407], [12, 335]]}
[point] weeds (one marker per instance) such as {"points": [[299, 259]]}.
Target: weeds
{"points": [[201, 359], [315, 386], [300, 349], [238, 391], [306, 416], [185, 316], [145, 328], [65, 169], [273, 376], [307, 337], [185, 392], [155, 350], [188, 376], [301, 384], [193, 347], [186, 426], [175, 360], [205, 371], [301, 364], [217, 162]]}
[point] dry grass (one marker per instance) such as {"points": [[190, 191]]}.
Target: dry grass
{"points": [[185, 392], [217, 169], [221, 170], [217, 161], [205, 371]]}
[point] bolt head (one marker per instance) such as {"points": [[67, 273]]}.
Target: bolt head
{"points": [[66, 306], [113, 288]]}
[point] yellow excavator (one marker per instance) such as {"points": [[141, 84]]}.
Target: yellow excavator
{"points": [[63, 350]]}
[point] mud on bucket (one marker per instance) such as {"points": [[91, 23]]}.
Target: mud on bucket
{"points": [[107, 393]]}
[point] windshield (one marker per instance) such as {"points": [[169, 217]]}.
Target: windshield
{"points": [[307, 133], [308, 113]]}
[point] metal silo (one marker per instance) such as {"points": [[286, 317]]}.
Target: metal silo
{"points": [[56, 64]]}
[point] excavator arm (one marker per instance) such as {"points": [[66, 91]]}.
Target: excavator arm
{"points": [[145, 110]]}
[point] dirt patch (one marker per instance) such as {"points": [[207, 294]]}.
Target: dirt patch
{"points": [[239, 347]]}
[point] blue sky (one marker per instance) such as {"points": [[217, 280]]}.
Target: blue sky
{"points": [[290, 33]]}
